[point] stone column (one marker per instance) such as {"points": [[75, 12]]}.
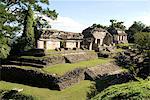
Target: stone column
{"points": [[101, 41], [78, 44], [96, 41], [118, 38], [40, 44], [90, 48]]}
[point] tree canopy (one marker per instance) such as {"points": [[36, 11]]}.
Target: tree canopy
{"points": [[142, 39], [133, 29], [22, 13], [7, 30]]}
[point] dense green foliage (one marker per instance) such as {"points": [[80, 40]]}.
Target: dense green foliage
{"points": [[7, 31], [132, 91], [8, 94], [24, 11], [28, 32], [4, 47], [99, 26], [133, 29], [142, 39], [116, 24]]}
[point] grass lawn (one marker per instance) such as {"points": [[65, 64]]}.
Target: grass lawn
{"points": [[75, 92], [61, 69], [119, 50]]}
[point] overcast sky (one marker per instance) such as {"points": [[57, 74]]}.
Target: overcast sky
{"points": [[76, 15]]}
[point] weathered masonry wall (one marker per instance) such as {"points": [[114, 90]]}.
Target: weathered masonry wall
{"points": [[40, 79], [48, 44], [28, 76], [45, 61]]}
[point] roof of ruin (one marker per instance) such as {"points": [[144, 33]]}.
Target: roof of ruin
{"points": [[56, 34], [90, 32]]}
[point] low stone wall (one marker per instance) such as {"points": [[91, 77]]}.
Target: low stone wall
{"points": [[39, 78], [39, 62], [70, 78], [28, 76], [102, 70], [45, 61], [80, 57]]}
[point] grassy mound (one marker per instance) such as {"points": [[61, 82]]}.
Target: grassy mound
{"points": [[76, 92], [131, 91], [61, 69]]}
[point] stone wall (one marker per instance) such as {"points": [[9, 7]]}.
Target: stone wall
{"points": [[80, 57], [39, 78], [45, 61], [102, 70], [70, 78], [39, 62], [28, 76]]}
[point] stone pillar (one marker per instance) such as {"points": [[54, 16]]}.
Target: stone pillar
{"points": [[118, 38], [101, 41], [90, 48], [40, 44], [96, 41], [125, 37], [78, 44]]}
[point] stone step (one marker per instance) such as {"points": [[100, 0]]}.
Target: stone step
{"points": [[26, 64]]}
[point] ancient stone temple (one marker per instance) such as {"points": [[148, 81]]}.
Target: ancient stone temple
{"points": [[95, 37], [119, 36], [53, 39]]}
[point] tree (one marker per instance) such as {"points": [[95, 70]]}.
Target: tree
{"points": [[7, 30], [99, 26], [112, 23], [4, 47], [24, 9], [146, 29], [142, 39], [28, 32], [116, 24], [133, 29]]}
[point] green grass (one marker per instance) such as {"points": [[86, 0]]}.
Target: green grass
{"points": [[122, 44], [75, 92], [119, 50], [61, 69], [131, 91]]}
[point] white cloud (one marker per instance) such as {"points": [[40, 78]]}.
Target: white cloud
{"points": [[65, 24], [144, 18]]}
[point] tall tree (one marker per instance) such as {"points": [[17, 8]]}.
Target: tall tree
{"points": [[28, 32], [24, 9], [7, 30], [133, 29], [116, 24], [142, 39], [112, 22]]}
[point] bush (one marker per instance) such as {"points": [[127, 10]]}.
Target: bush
{"points": [[9, 94], [128, 91]]}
